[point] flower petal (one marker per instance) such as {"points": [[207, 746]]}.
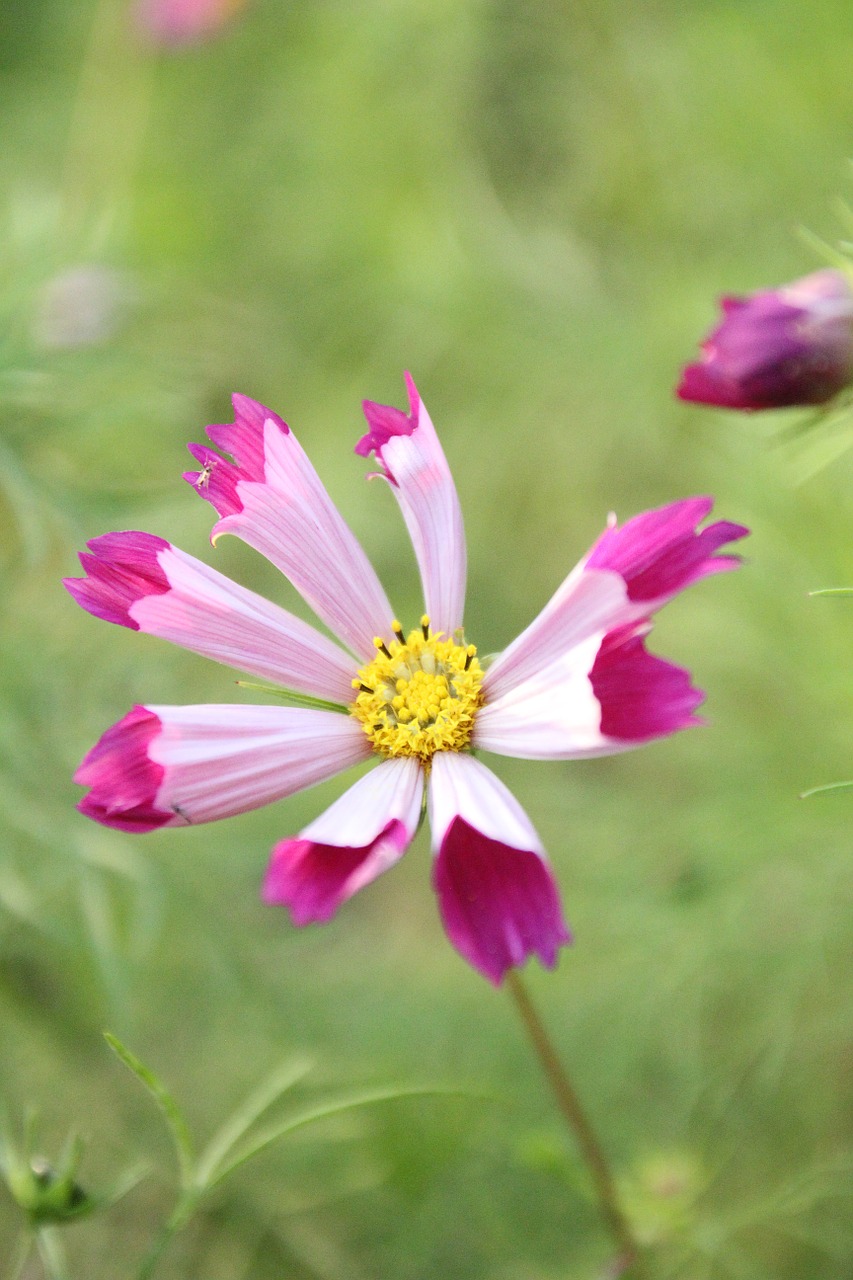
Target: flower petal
{"points": [[642, 697], [497, 896], [363, 834], [272, 498], [123, 778], [660, 552], [605, 696], [174, 766], [413, 462], [552, 715], [630, 573], [121, 569], [585, 605], [142, 582]]}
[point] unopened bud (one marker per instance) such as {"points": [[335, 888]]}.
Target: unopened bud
{"points": [[48, 1194], [778, 347]]}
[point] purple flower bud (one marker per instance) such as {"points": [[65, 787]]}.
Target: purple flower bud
{"points": [[778, 347]]}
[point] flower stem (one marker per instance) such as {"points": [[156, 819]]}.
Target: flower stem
{"points": [[22, 1253], [52, 1254], [179, 1217], [573, 1113]]}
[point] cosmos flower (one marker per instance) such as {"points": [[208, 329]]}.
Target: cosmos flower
{"points": [[577, 682], [778, 347]]}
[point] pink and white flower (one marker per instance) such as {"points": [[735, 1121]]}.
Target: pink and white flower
{"points": [[577, 682]]}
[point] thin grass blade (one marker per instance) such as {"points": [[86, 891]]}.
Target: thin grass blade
{"points": [[172, 1114]]}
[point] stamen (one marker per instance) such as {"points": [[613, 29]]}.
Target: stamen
{"points": [[421, 697], [398, 631]]}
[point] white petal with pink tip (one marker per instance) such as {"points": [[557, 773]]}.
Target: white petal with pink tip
{"points": [[415, 465], [552, 716], [589, 602], [290, 518], [222, 760], [393, 791], [208, 613], [362, 835], [496, 893], [462, 787]]}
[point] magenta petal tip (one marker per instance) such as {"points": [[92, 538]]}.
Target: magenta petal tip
{"points": [[121, 569], [313, 880], [385, 422], [499, 905], [660, 552], [122, 777], [642, 697]]}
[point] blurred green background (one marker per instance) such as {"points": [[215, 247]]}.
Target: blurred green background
{"points": [[532, 206]]}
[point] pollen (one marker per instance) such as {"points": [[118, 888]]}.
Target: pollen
{"points": [[419, 695]]}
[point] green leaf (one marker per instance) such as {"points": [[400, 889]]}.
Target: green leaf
{"points": [[288, 695], [175, 1121], [336, 1107], [822, 249], [230, 1133]]}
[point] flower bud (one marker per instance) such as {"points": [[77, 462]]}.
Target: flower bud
{"points": [[47, 1194], [778, 347]]}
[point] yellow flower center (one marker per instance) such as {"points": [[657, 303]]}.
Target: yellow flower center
{"points": [[420, 695]]}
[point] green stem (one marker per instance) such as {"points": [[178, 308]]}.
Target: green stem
{"points": [[573, 1113], [181, 1214], [22, 1252], [52, 1254]]}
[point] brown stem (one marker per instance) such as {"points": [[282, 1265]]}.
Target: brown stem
{"points": [[569, 1104]]}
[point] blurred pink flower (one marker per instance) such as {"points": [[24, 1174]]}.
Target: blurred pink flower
{"points": [[82, 306], [578, 682], [178, 22], [778, 347]]}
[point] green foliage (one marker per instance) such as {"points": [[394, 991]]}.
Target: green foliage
{"points": [[532, 207]]}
